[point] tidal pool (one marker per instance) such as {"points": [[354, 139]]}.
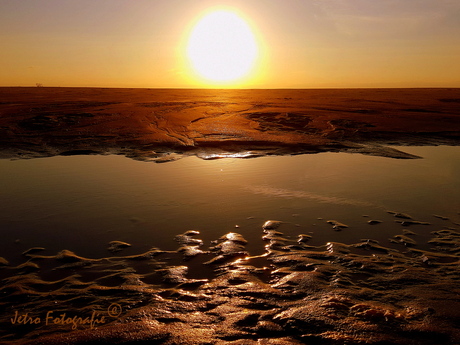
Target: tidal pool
{"points": [[81, 203], [358, 249]]}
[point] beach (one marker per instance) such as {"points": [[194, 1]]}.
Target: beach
{"points": [[268, 280], [154, 123]]}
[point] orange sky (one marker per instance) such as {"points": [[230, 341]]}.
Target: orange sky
{"points": [[302, 43]]}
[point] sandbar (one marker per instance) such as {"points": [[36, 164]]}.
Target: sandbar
{"points": [[165, 124]]}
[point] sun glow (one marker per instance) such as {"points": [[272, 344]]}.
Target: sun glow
{"points": [[222, 49]]}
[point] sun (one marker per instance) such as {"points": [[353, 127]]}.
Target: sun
{"points": [[222, 48]]}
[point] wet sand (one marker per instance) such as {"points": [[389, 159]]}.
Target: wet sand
{"points": [[295, 293], [152, 124], [201, 293]]}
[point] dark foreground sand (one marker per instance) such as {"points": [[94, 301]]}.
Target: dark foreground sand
{"points": [[152, 124], [293, 294], [363, 293]]}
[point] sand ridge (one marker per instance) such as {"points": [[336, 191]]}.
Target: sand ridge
{"points": [[294, 293]]}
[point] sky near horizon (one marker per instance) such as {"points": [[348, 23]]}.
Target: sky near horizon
{"points": [[300, 43]]}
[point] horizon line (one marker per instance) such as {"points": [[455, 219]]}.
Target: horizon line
{"points": [[235, 88]]}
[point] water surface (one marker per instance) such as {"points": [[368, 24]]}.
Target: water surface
{"points": [[81, 203]]}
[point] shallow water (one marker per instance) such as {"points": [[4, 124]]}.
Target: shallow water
{"points": [[316, 290], [81, 203]]}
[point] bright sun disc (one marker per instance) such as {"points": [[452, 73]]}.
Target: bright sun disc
{"points": [[222, 47]]}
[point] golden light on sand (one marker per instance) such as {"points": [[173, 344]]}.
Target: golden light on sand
{"points": [[222, 48]]}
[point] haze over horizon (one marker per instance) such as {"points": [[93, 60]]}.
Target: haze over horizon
{"points": [[301, 44]]}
